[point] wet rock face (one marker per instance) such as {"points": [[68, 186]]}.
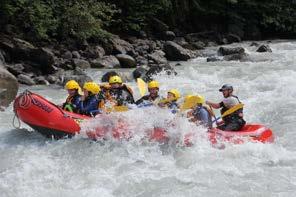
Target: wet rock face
{"points": [[158, 57], [175, 52], [139, 72], [264, 48], [229, 51], [20, 50], [80, 63], [106, 62], [8, 87], [25, 79], [126, 61]]}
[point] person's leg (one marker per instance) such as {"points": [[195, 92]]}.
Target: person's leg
{"points": [[222, 127], [233, 126]]}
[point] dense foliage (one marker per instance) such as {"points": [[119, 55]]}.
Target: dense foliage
{"points": [[84, 19]]}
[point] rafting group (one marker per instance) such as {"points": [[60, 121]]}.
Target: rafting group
{"points": [[95, 99]]}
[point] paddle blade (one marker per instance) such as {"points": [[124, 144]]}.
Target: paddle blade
{"points": [[141, 86], [233, 109], [121, 108]]}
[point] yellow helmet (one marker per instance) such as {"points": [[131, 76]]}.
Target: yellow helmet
{"points": [[200, 99], [72, 84], [176, 93], [153, 84], [191, 101], [115, 79], [92, 87]]}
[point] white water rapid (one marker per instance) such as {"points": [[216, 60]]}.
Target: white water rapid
{"points": [[32, 165]]}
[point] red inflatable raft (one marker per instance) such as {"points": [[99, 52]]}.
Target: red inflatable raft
{"points": [[51, 121], [45, 117]]}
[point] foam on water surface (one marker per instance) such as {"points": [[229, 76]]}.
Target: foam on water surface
{"points": [[32, 165]]}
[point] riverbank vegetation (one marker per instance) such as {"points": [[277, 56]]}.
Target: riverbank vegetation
{"points": [[94, 19]]}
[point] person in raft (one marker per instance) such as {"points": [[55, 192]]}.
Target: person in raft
{"points": [[74, 96], [89, 101], [118, 93], [153, 96], [199, 113], [233, 121], [171, 100]]}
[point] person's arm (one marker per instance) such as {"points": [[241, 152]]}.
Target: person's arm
{"points": [[190, 114], [214, 105], [204, 117], [140, 101], [92, 105]]}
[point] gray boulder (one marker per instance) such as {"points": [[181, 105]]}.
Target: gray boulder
{"points": [[44, 58], [157, 68], [198, 45], [96, 63], [76, 54], [254, 44], [169, 35], [21, 50], [264, 48], [236, 57], [67, 55], [15, 69], [126, 61], [139, 72], [94, 52], [52, 79], [175, 52], [120, 46], [231, 38], [80, 63], [213, 59], [228, 51], [8, 87], [41, 80], [144, 46], [2, 59], [141, 60], [25, 79], [107, 62], [158, 57], [77, 75]]}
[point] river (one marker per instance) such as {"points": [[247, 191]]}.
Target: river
{"points": [[32, 165]]}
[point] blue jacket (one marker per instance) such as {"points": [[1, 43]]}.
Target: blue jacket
{"points": [[202, 115], [88, 105], [173, 106], [73, 101]]}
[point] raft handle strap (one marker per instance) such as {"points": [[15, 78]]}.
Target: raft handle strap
{"points": [[18, 122]]}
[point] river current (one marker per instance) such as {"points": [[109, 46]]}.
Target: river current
{"points": [[32, 165]]}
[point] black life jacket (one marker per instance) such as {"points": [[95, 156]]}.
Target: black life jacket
{"points": [[147, 98], [121, 95], [233, 116]]}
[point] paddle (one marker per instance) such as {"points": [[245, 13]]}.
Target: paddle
{"points": [[230, 111], [141, 86], [213, 114], [121, 108]]}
